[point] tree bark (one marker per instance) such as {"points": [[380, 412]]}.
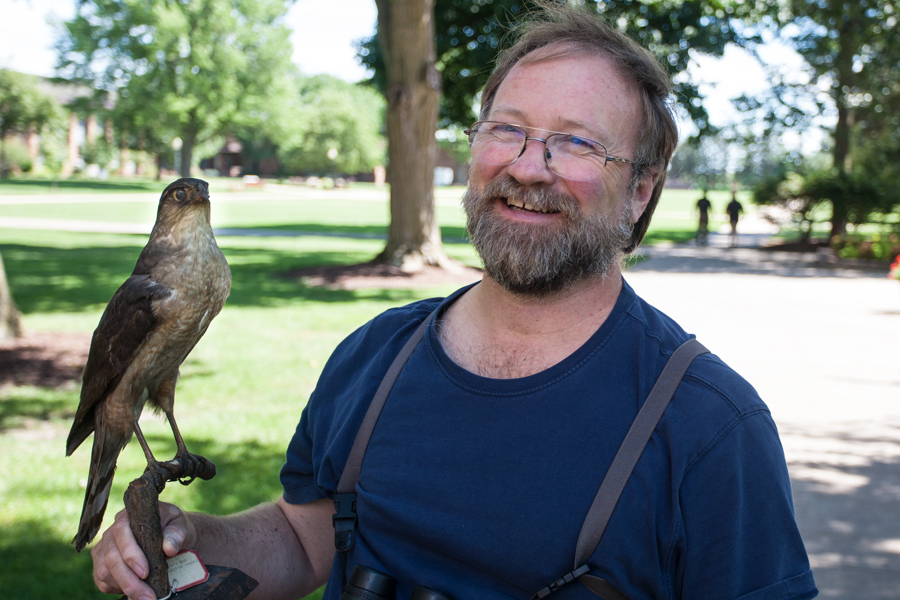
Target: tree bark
{"points": [[187, 153], [843, 68], [406, 30], [4, 168], [10, 318]]}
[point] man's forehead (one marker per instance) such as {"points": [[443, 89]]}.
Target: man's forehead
{"points": [[561, 123], [567, 90]]}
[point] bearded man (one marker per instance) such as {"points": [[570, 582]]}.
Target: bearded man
{"points": [[496, 428]]}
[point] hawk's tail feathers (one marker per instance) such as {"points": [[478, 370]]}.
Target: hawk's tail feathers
{"points": [[103, 467]]}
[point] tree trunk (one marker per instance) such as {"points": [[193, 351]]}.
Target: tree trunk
{"points": [[841, 159], [10, 318], [406, 29], [4, 168], [187, 152], [845, 79]]}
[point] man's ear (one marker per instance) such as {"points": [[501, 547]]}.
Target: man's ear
{"points": [[642, 194]]}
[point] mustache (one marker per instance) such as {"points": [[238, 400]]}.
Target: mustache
{"points": [[541, 198]]}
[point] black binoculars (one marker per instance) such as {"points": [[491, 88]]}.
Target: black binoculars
{"points": [[369, 584]]}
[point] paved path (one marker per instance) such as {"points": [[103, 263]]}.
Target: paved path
{"points": [[821, 343]]}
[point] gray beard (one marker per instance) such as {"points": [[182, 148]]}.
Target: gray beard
{"points": [[537, 261]]}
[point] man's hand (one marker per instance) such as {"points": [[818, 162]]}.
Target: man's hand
{"points": [[287, 548], [120, 564]]}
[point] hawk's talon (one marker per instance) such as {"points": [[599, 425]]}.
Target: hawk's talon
{"points": [[159, 474], [192, 466]]}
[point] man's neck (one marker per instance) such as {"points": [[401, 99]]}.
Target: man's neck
{"points": [[495, 333]]}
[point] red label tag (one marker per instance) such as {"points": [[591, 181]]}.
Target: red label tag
{"points": [[186, 570]]}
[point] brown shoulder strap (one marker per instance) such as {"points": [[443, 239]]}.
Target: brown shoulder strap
{"points": [[632, 447], [344, 519], [620, 471], [625, 460], [350, 476]]}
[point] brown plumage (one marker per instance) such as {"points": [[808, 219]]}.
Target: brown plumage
{"points": [[149, 327]]}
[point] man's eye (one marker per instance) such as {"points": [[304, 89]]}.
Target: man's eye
{"points": [[577, 141], [500, 128], [505, 132], [578, 144]]}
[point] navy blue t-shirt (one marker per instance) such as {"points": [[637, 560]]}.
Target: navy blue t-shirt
{"points": [[478, 487]]}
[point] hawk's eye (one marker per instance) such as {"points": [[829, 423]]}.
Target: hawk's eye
{"points": [[180, 195]]}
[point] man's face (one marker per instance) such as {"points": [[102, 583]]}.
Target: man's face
{"points": [[537, 232]]}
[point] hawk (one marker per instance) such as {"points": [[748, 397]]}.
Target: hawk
{"points": [[150, 325]]}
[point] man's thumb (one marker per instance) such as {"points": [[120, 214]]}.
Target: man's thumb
{"points": [[173, 538]]}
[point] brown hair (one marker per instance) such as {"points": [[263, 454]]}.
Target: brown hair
{"points": [[581, 31]]}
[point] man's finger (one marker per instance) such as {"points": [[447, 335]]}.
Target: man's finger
{"points": [[112, 575], [118, 577], [127, 546], [174, 528]]}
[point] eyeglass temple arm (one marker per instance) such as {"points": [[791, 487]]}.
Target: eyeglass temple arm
{"points": [[620, 160]]}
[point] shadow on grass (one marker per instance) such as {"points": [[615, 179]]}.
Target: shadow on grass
{"points": [[246, 473], [38, 564], [48, 279], [22, 406], [455, 234]]}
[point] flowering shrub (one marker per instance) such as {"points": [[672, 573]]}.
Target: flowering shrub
{"points": [[894, 273]]}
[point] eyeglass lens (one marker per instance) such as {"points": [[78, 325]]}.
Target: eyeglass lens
{"points": [[569, 156]]}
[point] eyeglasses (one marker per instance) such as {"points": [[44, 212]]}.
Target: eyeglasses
{"points": [[569, 156]]}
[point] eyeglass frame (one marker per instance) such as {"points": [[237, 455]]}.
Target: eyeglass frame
{"points": [[608, 157]]}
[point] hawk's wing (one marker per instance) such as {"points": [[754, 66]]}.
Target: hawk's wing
{"points": [[124, 326]]}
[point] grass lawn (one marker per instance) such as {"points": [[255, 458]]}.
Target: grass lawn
{"points": [[243, 386]]}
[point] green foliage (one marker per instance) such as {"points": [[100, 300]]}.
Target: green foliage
{"points": [[766, 158], [853, 197], [470, 34], [16, 156], [702, 162], [54, 149], [876, 157], [23, 107], [852, 73], [98, 152], [22, 104], [878, 246], [336, 129], [455, 143], [187, 69]]}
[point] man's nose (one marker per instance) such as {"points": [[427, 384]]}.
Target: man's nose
{"points": [[531, 166]]}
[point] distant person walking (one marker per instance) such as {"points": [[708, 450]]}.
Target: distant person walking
{"points": [[703, 206], [734, 210]]}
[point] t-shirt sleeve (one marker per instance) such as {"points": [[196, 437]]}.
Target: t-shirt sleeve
{"points": [[741, 538], [297, 476]]}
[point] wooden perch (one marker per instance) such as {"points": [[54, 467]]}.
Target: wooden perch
{"points": [[142, 505]]}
